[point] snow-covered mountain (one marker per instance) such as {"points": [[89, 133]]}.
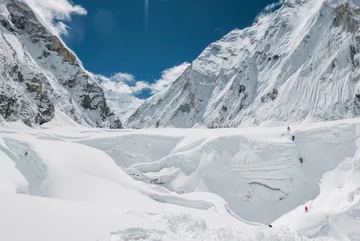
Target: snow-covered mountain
{"points": [[123, 104], [300, 63], [40, 78], [119, 97]]}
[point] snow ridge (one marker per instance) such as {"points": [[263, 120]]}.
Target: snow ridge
{"points": [[298, 64]]}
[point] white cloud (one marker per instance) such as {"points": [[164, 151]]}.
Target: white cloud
{"points": [[268, 9], [140, 86], [274, 5], [168, 77], [121, 83], [123, 77], [120, 96], [55, 12], [113, 87]]}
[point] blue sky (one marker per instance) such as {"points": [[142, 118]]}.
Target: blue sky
{"points": [[114, 36]]}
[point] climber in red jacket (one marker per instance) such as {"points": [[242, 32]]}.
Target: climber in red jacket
{"points": [[306, 209]]}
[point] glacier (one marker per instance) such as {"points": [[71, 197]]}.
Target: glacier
{"points": [[180, 184]]}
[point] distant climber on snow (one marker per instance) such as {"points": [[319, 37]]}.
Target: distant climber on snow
{"points": [[306, 209], [288, 129], [301, 160], [270, 226], [293, 138]]}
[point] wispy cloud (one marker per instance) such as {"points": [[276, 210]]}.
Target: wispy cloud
{"points": [[113, 85], [121, 83], [168, 77], [123, 77], [274, 5], [268, 9], [55, 13]]}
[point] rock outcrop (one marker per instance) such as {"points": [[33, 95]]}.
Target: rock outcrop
{"points": [[40, 76]]}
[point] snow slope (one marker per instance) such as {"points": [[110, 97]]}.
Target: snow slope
{"points": [[123, 104], [119, 96], [298, 64], [247, 167], [180, 184], [336, 210]]}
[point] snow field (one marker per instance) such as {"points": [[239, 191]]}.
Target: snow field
{"points": [[181, 184]]}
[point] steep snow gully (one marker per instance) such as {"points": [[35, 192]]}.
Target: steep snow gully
{"points": [[181, 184]]}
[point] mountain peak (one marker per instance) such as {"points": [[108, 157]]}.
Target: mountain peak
{"points": [[297, 64], [292, 3]]}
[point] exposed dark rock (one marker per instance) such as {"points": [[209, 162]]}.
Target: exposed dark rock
{"points": [[34, 85], [271, 95], [116, 124], [86, 103], [29, 94], [185, 108], [46, 108], [7, 25], [276, 57], [57, 46], [8, 106], [242, 89], [20, 77], [345, 17]]}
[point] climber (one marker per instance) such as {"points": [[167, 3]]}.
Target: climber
{"points": [[301, 160], [270, 225], [306, 209], [288, 129], [293, 138]]}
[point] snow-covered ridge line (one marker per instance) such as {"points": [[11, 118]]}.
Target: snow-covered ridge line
{"points": [[298, 64], [41, 78]]}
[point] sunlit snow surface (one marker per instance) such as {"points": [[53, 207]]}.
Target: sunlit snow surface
{"points": [[299, 64], [180, 184]]}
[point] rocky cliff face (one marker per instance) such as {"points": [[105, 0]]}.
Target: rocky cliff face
{"points": [[300, 63], [40, 76]]}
